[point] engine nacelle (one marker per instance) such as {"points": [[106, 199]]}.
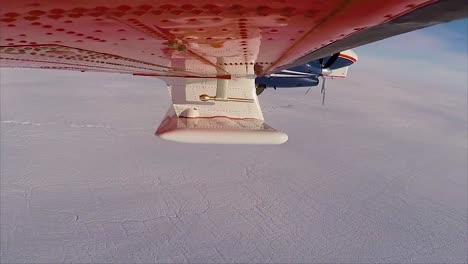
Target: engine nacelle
{"points": [[306, 75], [287, 82]]}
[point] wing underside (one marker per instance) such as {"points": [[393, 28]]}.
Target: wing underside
{"points": [[203, 39]]}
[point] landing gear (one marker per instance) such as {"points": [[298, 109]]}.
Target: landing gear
{"points": [[260, 88]]}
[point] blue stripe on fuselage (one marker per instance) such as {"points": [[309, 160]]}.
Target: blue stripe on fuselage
{"points": [[298, 77]]}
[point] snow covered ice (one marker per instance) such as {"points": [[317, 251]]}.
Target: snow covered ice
{"points": [[379, 174]]}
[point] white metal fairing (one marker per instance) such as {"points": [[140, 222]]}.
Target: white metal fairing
{"points": [[191, 120], [218, 130], [186, 93]]}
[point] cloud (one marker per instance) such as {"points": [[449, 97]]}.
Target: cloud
{"points": [[428, 57]]}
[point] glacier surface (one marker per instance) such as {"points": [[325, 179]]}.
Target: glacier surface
{"points": [[377, 175]]}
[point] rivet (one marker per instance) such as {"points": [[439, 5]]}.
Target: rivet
{"points": [[11, 14], [95, 14], [209, 6], [264, 10], [79, 10], [55, 16], [124, 8], [31, 18], [145, 7], [311, 13], [36, 12], [288, 11], [7, 19], [215, 11], [57, 11], [101, 9], [237, 8], [167, 7]]}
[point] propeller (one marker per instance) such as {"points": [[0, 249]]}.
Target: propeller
{"points": [[325, 68], [330, 61]]}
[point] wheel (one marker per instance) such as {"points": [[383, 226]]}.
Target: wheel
{"points": [[260, 88]]}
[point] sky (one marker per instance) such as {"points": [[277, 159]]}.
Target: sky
{"points": [[435, 56]]}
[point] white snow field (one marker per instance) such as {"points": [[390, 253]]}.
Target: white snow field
{"points": [[379, 174]]}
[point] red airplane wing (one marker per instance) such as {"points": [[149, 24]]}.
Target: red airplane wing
{"points": [[200, 38]]}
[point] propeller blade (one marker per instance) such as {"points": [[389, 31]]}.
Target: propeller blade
{"points": [[321, 62], [332, 60], [323, 90]]}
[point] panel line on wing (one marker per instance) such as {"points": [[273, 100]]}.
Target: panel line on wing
{"points": [[160, 33], [332, 13]]}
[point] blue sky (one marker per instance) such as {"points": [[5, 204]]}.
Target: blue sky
{"points": [[432, 55], [454, 34]]}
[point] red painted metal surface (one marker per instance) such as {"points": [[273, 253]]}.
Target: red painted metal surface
{"points": [[179, 37]]}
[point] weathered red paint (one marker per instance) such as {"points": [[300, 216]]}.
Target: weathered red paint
{"points": [[178, 37]]}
